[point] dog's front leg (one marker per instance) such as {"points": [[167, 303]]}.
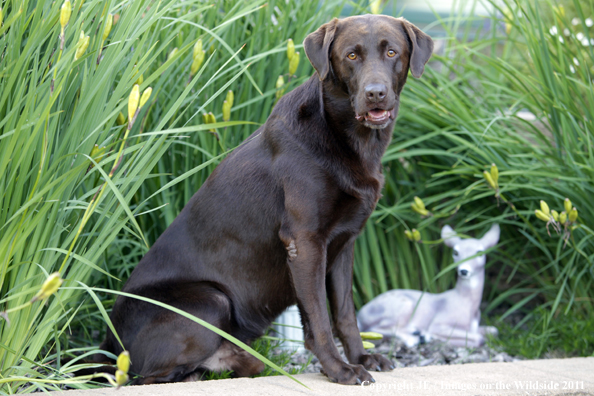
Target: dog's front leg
{"points": [[340, 293], [306, 257]]}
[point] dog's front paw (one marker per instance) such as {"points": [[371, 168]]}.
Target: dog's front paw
{"points": [[376, 362], [350, 374]]}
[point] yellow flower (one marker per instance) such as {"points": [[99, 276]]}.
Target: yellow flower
{"points": [[230, 98], [563, 217], [121, 378], [293, 63], [494, 173], [290, 49], [567, 205], [280, 82], [121, 120], [108, 25], [49, 287], [369, 335], [368, 345], [65, 12], [490, 180], [541, 215], [133, 102], [123, 361], [544, 207], [375, 6], [226, 111], [145, 96], [82, 45], [573, 215]]}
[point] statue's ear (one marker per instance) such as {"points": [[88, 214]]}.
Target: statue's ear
{"points": [[491, 238], [317, 47], [449, 236], [421, 48]]}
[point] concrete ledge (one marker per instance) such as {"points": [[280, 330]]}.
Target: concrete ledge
{"points": [[531, 377]]}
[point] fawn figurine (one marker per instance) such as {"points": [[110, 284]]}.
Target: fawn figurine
{"points": [[452, 316]]}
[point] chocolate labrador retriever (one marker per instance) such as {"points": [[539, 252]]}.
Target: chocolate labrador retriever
{"points": [[276, 221]]}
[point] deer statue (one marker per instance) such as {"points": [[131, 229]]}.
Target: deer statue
{"points": [[452, 316]]}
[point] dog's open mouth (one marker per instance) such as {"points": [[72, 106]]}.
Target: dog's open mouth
{"points": [[377, 116]]}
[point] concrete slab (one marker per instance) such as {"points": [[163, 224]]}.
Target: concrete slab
{"points": [[531, 377]]}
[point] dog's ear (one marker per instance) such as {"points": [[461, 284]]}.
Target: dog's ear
{"points": [[422, 48], [317, 47]]}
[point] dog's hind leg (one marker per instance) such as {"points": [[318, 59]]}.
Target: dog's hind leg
{"points": [[171, 347]]}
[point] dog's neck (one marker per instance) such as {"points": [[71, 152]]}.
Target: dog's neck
{"points": [[367, 144]]}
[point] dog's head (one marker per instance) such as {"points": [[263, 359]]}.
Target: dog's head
{"points": [[368, 57]]}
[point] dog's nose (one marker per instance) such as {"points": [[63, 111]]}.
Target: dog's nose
{"points": [[375, 92], [463, 272]]}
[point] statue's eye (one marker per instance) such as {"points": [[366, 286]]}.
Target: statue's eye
{"points": [[352, 56], [391, 53]]}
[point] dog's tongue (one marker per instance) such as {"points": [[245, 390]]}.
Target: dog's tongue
{"points": [[377, 113]]}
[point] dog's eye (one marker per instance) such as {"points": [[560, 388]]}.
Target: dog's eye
{"points": [[391, 53], [352, 56]]}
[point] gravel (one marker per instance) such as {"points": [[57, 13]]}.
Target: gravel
{"points": [[432, 353]]}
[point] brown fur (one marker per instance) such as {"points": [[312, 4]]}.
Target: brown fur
{"points": [[276, 221]]}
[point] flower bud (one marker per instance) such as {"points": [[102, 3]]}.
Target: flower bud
{"points": [[145, 96], [573, 215], [494, 173], [408, 235], [65, 12], [490, 180], [172, 53], [82, 45], [541, 215], [293, 63], [140, 80], [416, 235], [544, 207], [123, 361], [121, 120], [1, 17], [563, 217], [97, 153], [375, 5], [555, 215], [417, 209], [211, 120], [49, 287], [206, 118], [197, 62], [280, 82], [121, 378], [230, 98], [419, 203], [197, 49], [226, 111], [290, 49], [369, 335], [133, 102], [108, 25], [567, 205], [368, 345]]}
